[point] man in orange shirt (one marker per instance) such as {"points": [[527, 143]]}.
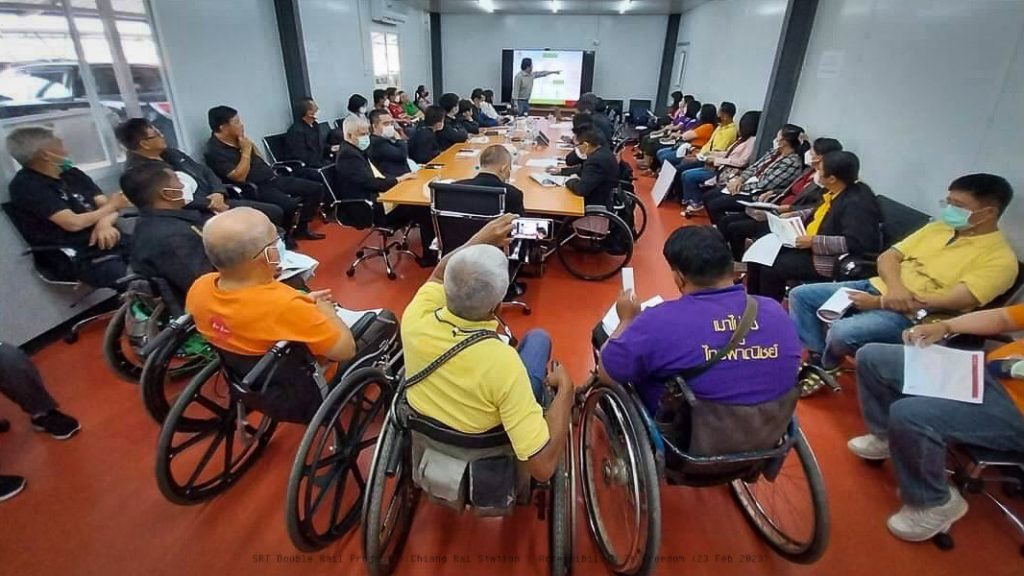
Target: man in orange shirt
{"points": [[241, 308], [915, 430]]}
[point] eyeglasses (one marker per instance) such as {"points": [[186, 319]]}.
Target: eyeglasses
{"points": [[264, 251]]}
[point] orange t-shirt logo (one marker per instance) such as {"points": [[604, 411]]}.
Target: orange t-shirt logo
{"points": [[220, 328]]}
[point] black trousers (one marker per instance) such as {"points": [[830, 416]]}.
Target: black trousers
{"points": [[737, 229], [20, 381], [791, 264], [420, 215], [273, 211], [287, 192], [718, 204]]}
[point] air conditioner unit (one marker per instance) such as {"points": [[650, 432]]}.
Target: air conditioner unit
{"points": [[389, 11]]}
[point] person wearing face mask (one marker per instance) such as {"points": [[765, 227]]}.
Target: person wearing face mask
{"points": [[720, 165], [846, 221], [495, 172], [775, 170], [423, 146], [957, 263], [203, 189], [357, 105], [305, 142], [58, 204], [482, 119], [388, 152], [466, 119], [599, 173], [380, 99]]}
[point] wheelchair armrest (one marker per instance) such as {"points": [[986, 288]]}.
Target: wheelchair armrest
{"points": [[176, 326], [123, 282], [361, 325], [973, 342], [265, 363], [850, 267], [44, 249]]}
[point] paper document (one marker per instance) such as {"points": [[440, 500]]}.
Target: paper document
{"points": [[565, 146], [479, 140], [664, 183], [542, 162], [467, 153], [350, 317], [413, 166], [759, 205], [834, 308], [294, 264], [611, 320], [548, 180], [787, 229], [628, 280], [940, 372], [764, 250]]}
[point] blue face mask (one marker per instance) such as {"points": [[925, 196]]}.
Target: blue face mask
{"points": [[364, 142], [955, 217]]}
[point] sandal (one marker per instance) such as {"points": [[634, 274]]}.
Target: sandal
{"points": [[813, 378]]}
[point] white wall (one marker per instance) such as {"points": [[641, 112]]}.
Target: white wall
{"points": [[628, 48], [925, 91], [336, 34], [222, 52], [731, 51]]}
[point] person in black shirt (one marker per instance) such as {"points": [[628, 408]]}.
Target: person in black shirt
{"points": [[233, 157], [304, 141], [58, 204], [495, 171], [453, 132], [465, 117], [203, 189], [595, 179], [388, 153], [423, 146]]}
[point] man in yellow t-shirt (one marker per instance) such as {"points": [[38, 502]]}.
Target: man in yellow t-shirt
{"points": [[489, 383], [915, 430], [960, 262]]}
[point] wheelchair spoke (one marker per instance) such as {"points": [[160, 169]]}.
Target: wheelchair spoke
{"points": [[320, 497], [229, 444], [198, 437], [357, 475], [339, 490], [368, 443], [205, 460], [210, 405]]}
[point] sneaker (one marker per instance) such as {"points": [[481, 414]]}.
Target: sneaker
{"points": [[919, 524], [693, 209], [10, 486], [56, 424], [869, 447]]}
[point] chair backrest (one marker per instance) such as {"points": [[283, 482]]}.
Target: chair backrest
{"points": [[285, 383], [898, 220], [639, 111], [53, 265], [276, 149], [459, 211], [338, 122]]}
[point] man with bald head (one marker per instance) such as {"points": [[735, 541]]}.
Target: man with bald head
{"points": [[489, 383], [241, 308], [495, 172]]}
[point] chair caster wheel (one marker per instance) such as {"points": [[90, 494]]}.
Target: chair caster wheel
{"points": [[527, 311], [359, 254], [943, 541], [71, 337], [350, 272], [392, 275]]}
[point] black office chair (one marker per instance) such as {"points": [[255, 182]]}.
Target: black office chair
{"points": [[277, 150], [55, 265], [639, 112], [459, 211]]}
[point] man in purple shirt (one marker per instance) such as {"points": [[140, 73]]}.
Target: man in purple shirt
{"points": [[648, 348]]}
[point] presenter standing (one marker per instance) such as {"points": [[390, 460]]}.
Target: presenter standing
{"points": [[522, 85]]}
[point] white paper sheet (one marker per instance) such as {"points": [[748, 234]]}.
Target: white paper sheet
{"points": [[787, 229], [664, 183], [413, 166], [628, 279], [548, 180], [479, 140], [611, 318], [294, 264], [940, 372], [542, 162], [834, 308], [467, 153], [759, 205], [764, 250], [350, 317]]}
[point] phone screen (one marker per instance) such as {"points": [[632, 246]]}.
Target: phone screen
{"points": [[532, 228]]}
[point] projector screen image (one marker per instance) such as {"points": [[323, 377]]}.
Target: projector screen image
{"points": [[574, 75]]}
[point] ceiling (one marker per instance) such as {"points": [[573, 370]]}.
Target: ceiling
{"points": [[564, 6]]}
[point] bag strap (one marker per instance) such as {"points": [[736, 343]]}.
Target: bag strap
{"points": [[746, 323], [475, 338]]}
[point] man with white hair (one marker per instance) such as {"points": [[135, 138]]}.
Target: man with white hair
{"points": [[58, 204], [359, 178], [489, 383]]}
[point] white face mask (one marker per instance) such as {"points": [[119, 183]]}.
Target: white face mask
{"points": [[580, 154], [388, 132], [817, 179], [190, 186], [776, 144], [387, 102], [362, 110], [808, 156]]}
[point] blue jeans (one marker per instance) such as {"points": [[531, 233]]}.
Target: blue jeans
{"points": [[691, 181], [668, 155], [522, 107], [535, 352], [847, 334], [919, 428]]}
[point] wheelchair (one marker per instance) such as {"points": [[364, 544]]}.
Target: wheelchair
{"points": [[492, 483], [224, 419], [624, 452], [167, 355], [145, 311], [598, 244]]}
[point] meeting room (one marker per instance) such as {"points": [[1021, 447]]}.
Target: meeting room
{"points": [[514, 287]]}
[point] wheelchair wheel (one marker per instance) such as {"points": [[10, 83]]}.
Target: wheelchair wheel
{"points": [[390, 502], [595, 246], [620, 481], [562, 512], [208, 440], [790, 508], [183, 355], [125, 335], [328, 483], [639, 215]]}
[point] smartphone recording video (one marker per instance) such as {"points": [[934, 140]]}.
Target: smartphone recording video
{"points": [[532, 228]]}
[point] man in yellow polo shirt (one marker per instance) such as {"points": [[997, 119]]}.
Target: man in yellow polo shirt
{"points": [[958, 263], [915, 430], [489, 383], [725, 133]]}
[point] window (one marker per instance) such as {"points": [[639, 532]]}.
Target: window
{"points": [[59, 68], [386, 69]]}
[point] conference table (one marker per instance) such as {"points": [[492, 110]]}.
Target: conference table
{"points": [[457, 164]]}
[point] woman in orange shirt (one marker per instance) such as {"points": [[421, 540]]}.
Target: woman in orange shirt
{"points": [[915, 430], [696, 137]]}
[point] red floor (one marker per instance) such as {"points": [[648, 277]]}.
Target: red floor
{"points": [[92, 505]]}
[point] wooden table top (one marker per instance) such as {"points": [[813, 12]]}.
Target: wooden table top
{"points": [[555, 201]]}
